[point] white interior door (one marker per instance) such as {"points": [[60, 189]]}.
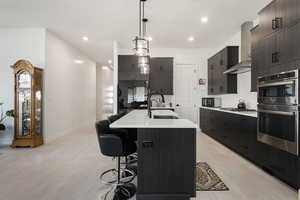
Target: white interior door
{"points": [[186, 91]]}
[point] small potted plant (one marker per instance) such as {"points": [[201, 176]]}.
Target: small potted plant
{"points": [[9, 113]]}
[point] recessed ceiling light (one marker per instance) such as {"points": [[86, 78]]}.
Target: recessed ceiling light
{"points": [[191, 39], [109, 61], [85, 38], [204, 20], [104, 67], [150, 38], [78, 61]]}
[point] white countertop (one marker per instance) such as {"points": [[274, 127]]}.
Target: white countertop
{"points": [[246, 113], [140, 119]]}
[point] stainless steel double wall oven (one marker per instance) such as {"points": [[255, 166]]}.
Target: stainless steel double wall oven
{"points": [[278, 114]]}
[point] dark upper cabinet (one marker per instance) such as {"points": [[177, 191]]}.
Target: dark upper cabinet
{"points": [[128, 68], [291, 43], [219, 83], [161, 75], [288, 12], [276, 41], [255, 57], [278, 15], [266, 17], [210, 74]]}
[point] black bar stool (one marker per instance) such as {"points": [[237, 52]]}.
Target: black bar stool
{"points": [[114, 144], [130, 134]]}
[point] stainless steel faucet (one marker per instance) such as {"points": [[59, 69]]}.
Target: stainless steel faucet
{"points": [[150, 103]]}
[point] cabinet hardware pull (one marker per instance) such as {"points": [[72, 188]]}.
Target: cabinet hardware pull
{"points": [[273, 24], [276, 23], [147, 144], [275, 57]]}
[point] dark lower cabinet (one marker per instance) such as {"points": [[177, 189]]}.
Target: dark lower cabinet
{"points": [[238, 133], [166, 164]]}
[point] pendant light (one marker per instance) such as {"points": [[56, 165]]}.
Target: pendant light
{"points": [[144, 61], [141, 42]]}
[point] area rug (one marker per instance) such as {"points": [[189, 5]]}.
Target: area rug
{"points": [[208, 180]]}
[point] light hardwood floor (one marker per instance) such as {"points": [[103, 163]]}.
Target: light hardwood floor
{"points": [[68, 169]]}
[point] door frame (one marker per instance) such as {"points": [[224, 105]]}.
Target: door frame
{"points": [[198, 88]]}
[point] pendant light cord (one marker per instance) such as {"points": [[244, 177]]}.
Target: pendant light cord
{"points": [[140, 18], [143, 19]]}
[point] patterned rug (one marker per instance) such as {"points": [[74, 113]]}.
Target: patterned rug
{"points": [[208, 180]]}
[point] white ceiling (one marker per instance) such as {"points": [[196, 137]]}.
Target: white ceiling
{"points": [[171, 21]]}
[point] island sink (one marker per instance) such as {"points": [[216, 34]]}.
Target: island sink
{"points": [[164, 117]]}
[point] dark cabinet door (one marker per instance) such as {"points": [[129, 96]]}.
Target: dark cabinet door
{"points": [[216, 73], [222, 78], [204, 123], [255, 35], [292, 43], [210, 69], [165, 154], [284, 165], [161, 75], [218, 82], [276, 54], [128, 68], [265, 56], [266, 18], [254, 69], [289, 12], [128, 63]]}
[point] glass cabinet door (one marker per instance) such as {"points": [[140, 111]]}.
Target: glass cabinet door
{"points": [[38, 112], [24, 103]]}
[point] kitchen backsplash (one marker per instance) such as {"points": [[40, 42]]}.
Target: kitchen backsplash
{"points": [[244, 87]]}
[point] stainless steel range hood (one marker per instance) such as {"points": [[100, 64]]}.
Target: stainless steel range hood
{"points": [[245, 64]]}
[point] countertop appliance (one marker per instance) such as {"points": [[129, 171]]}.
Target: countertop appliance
{"points": [[213, 102], [278, 114], [241, 105]]}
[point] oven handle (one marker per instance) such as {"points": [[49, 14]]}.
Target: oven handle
{"points": [[277, 112], [277, 83]]}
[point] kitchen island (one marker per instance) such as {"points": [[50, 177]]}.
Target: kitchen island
{"points": [[166, 154]]}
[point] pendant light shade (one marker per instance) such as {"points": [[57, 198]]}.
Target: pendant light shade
{"points": [[145, 69], [144, 64], [141, 46], [141, 42], [143, 60]]}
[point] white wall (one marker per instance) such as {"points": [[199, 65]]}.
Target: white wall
{"points": [[70, 89], [104, 92], [115, 75], [15, 44]]}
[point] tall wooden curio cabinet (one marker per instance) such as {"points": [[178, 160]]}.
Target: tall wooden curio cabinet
{"points": [[28, 105]]}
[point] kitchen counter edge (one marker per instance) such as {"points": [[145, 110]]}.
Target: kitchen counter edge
{"points": [[249, 114]]}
